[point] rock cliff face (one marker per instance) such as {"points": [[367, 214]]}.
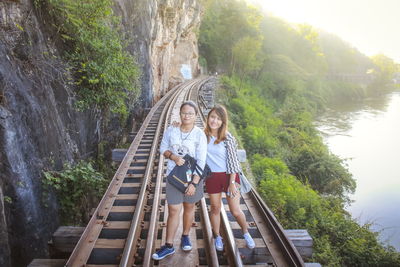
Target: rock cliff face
{"points": [[39, 127], [165, 42]]}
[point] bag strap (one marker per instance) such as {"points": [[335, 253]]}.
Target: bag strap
{"points": [[202, 171], [199, 170], [196, 168]]}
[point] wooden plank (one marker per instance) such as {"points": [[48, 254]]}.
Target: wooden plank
{"points": [[48, 263], [241, 206], [235, 225], [134, 175], [126, 196], [145, 145], [88, 243], [299, 237], [114, 243], [65, 231], [117, 225], [200, 243], [137, 167], [143, 150], [143, 161], [241, 243], [118, 154], [122, 208], [131, 185], [65, 238], [110, 243], [302, 240]]}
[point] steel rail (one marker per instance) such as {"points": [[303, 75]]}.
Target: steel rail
{"points": [[281, 248], [155, 208], [211, 252], [86, 243], [233, 251], [129, 249]]}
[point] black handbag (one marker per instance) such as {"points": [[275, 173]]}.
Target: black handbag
{"points": [[181, 176]]}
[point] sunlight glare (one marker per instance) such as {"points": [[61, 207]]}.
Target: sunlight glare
{"points": [[371, 26]]}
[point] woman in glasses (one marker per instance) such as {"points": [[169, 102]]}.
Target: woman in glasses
{"points": [[175, 144], [224, 164]]}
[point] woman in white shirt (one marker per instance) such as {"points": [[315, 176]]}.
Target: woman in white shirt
{"points": [[175, 144], [225, 167]]}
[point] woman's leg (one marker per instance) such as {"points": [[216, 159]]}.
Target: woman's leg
{"points": [[215, 218], [188, 217], [172, 221], [234, 207]]}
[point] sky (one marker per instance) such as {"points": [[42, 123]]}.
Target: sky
{"points": [[372, 26]]}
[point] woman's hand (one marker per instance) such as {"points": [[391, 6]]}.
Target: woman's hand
{"points": [[178, 160], [176, 124], [232, 190], [190, 190]]}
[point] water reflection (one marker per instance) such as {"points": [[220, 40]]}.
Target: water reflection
{"points": [[367, 134], [338, 118]]}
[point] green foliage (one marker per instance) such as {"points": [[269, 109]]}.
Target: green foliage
{"points": [[8, 199], [203, 62], [289, 135], [78, 189], [338, 239], [292, 166], [310, 161], [105, 73], [287, 59], [273, 94], [341, 91], [308, 51], [341, 57], [384, 70], [246, 56], [253, 119], [268, 167], [225, 23], [19, 27]]}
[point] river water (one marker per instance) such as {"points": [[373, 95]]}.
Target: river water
{"points": [[367, 135]]}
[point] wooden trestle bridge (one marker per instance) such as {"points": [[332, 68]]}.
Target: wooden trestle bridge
{"points": [[129, 223]]}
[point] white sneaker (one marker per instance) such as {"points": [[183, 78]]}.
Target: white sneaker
{"points": [[249, 240], [218, 243]]}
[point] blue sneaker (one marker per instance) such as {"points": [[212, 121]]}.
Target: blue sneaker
{"points": [[219, 245], [249, 240], [185, 243], [163, 252]]}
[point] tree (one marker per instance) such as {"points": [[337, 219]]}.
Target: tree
{"points": [[246, 56], [385, 66], [226, 22]]}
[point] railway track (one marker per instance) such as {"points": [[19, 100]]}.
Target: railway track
{"points": [[129, 223]]}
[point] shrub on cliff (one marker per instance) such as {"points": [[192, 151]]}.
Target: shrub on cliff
{"points": [[105, 74], [78, 188]]}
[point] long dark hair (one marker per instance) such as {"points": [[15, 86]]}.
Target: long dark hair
{"points": [[223, 114]]}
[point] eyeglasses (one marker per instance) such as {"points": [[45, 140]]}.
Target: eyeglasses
{"points": [[190, 114]]}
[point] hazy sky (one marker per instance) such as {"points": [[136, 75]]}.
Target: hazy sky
{"points": [[372, 26]]}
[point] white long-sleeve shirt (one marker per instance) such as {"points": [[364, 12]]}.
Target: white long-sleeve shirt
{"points": [[193, 143]]}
